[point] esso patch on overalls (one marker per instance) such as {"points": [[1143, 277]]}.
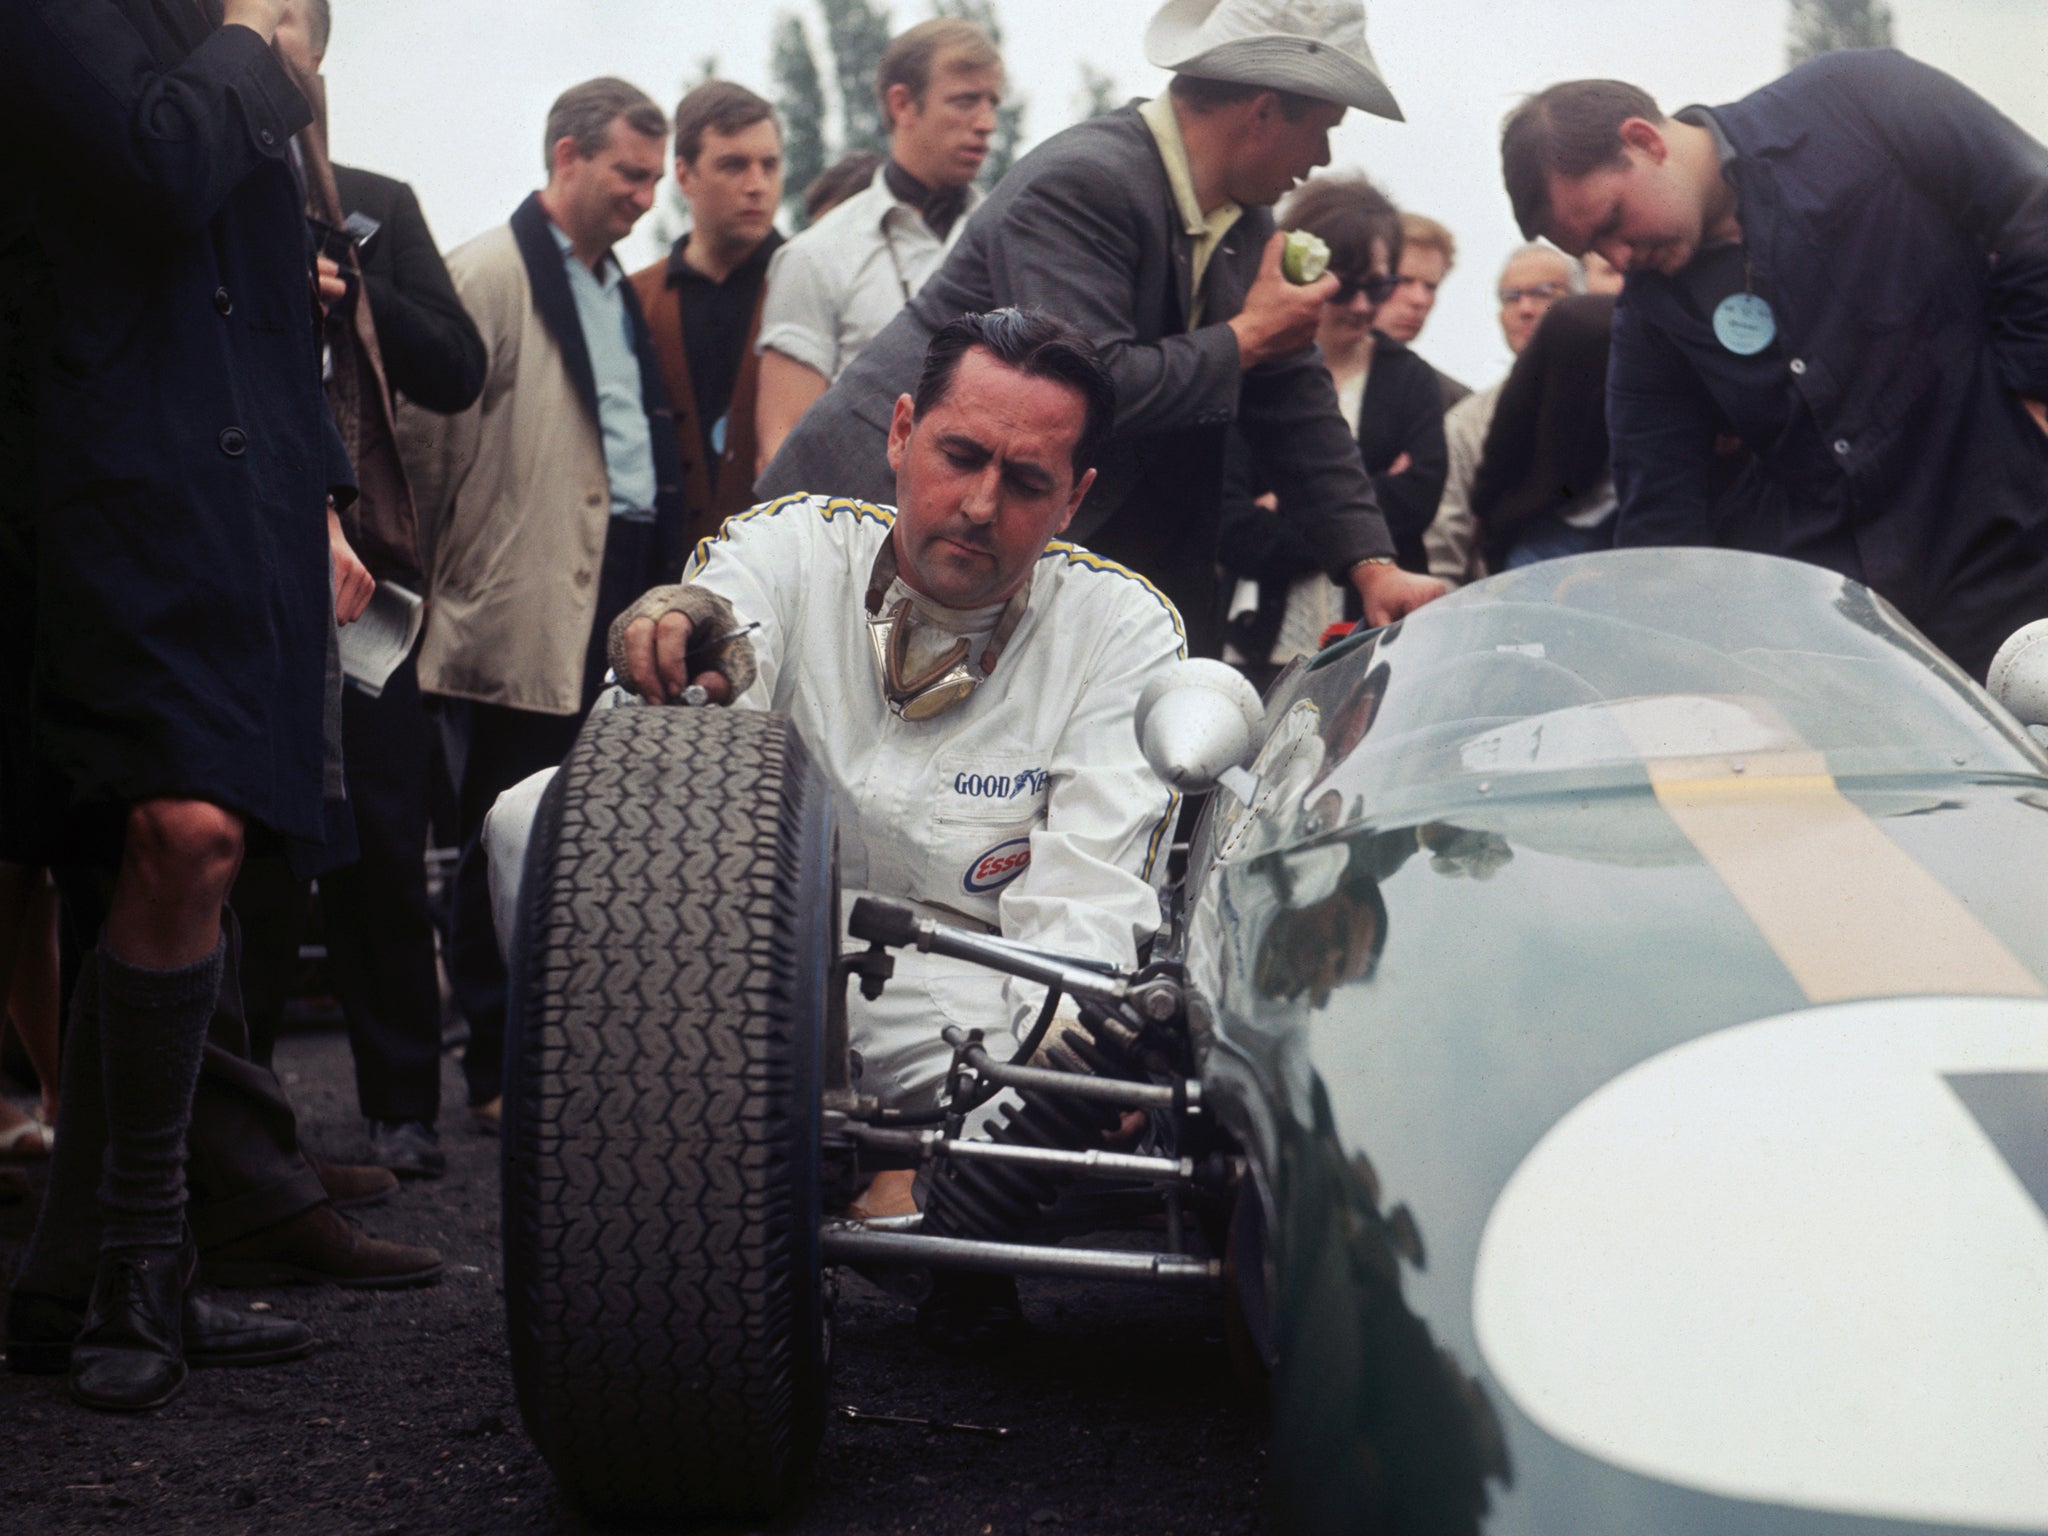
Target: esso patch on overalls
{"points": [[997, 867]]}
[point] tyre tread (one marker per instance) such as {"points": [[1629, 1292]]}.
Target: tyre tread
{"points": [[659, 1243]]}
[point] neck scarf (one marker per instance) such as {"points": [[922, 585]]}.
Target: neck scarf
{"points": [[939, 206]]}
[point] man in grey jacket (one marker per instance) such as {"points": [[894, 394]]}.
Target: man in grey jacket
{"points": [[1149, 229]]}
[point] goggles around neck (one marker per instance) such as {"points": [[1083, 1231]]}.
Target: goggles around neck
{"points": [[947, 681]]}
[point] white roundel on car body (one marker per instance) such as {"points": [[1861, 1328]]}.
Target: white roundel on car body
{"points": [[1786, 1263]]}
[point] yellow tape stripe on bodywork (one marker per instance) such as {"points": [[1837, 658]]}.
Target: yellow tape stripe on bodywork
{"points": [[1849, 912]]}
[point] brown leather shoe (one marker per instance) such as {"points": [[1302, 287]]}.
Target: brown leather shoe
{"points": [[351, 1186], [319, 1246]]}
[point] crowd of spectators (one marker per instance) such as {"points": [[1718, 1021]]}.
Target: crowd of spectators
{"points": [[245, 400]]}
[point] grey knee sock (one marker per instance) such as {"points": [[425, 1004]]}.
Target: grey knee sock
{"points": [[152, 1031], [65, 1251]]}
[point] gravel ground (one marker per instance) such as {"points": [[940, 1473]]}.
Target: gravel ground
{"points": [[1123, 1414]]}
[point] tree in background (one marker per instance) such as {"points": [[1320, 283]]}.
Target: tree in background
{"points": [[802, 105], [1097, 95], [856, 33], [1822, 26]]}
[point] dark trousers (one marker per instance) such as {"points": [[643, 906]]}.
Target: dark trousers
{"points": [[374, 917], [490, 748], [380, 937], [269, 902], [244, 1169]]}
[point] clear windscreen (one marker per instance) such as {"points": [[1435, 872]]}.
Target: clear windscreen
{"points": [[1591, 667]]}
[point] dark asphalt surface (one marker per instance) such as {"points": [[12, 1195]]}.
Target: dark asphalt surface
{"points": [[1123, 1413]]}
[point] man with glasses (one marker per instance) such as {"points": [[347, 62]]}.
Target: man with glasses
{"points": [[1535, 277], [1847, 271], [965, 678]]}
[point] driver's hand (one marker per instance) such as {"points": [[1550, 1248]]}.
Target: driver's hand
{"points": [[1390, 592], [656, 657]]}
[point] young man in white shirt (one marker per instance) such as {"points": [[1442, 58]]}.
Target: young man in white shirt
{"points": [[840, 281]]}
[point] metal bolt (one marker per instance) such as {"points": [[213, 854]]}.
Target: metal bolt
{"points": [[1157, 1000]]}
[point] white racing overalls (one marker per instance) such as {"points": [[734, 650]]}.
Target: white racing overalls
{"points": [[1027, 810]]}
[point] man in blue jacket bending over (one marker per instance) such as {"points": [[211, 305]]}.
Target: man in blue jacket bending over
{"points": [[1847, 271]]}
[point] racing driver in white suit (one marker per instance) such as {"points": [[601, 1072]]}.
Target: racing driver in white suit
{"points": [[966, 679]]}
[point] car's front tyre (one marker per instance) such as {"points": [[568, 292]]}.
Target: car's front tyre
{"points": [[676, 934]]}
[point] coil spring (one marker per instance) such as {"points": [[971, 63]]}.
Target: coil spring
{"points": [[996, 1200]]}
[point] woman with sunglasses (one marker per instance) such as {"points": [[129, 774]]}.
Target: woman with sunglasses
{"points": [[1390, 399]]}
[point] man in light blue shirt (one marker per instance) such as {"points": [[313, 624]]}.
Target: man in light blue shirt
{"points": [[607, 328], [548, 506]]}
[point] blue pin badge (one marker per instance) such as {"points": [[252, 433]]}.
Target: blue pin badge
{"points": [[1744, 324]]}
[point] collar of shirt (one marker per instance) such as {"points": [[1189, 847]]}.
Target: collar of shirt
{"points": [[934, 628], [607, 274], [1700, 117], [680, 271], [1205, 229], [624, 426], [887, 206], [939, 206], [958, 621]]}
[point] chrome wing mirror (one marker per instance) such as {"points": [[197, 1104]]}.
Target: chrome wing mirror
{"points": [[1197, 723], [2019, 676]]}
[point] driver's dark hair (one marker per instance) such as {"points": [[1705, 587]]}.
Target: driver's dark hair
{"points": [[1036, 345], [1569, 130]]}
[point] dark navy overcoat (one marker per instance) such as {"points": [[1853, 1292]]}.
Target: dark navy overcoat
{"points": [[183, 453], [1898, 226]]}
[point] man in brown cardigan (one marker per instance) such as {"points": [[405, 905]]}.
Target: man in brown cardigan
{"points": [[703, 303]]}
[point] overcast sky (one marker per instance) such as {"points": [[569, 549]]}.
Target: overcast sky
{"points": [[450, 95]]}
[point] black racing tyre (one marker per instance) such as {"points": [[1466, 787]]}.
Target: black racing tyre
{"points": [[676, 933]]}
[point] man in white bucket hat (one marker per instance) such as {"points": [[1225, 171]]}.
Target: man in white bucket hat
{"points": [[1149, 230], [1309, 47]]}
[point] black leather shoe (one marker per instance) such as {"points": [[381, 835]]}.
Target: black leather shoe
{"points": [[40, 1331], [409, 1148], [971, 1314], [130, 1354], [221, 1336]]}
